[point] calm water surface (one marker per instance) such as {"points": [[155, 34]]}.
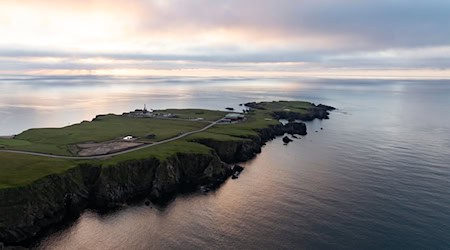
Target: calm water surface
{"points": [[376, 177]]}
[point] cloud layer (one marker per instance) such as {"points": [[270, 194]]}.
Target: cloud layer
{"points": [[258, 36]]}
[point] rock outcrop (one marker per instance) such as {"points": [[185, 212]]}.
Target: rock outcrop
{"points": [[286, 140], [315, 112], [247, 148], [26, 211]]}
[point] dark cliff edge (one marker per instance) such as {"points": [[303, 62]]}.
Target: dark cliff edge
{"points": [[316, 112], [249, 147], [27, 211]]}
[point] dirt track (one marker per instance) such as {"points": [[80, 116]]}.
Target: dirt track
{"points": [[103, 148]]}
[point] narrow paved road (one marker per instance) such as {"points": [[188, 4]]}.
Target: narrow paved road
{"points": [[112, 154]]}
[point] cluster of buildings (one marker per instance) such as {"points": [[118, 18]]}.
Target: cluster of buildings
{"points": [[142, 113], [229, 118]]}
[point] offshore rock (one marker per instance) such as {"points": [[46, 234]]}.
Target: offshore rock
{"points": [[236, 171], [247, 148], [286, 139]]}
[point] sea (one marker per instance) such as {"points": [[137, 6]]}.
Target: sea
{"points": [[376, 175]]}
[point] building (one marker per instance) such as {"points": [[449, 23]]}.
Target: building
{"points": [[234, 117]]}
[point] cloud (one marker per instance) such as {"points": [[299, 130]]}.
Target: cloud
{"points": [[263, 35], [374, 24]]}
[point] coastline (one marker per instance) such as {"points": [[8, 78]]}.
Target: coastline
{"points": [[26, 211]]}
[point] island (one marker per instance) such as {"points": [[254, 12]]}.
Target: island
{"points": [[50, 174]]}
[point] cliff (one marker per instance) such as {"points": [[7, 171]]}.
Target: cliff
{"points": [[26, 211], [313, 112], [247, 148]]}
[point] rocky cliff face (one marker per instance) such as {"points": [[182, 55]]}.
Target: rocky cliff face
{"points": [[26, 211], [316, 111], [247, 148], [232, 151]]}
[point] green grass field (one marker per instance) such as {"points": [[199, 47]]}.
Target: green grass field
{"points": [[294, 106], [110, 127], [103, 128], [207, 115], [20, 169], [161, 152]]}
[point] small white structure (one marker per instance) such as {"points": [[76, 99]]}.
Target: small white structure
{"points": [[128, 137], [235, 117]]}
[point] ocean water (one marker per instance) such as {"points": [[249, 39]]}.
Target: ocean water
{"points": [[377, 176]]}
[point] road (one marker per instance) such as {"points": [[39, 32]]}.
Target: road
{"points": [[111, 154]]}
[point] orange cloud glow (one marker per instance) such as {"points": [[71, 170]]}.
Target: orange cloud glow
{"points": [[173, 37]]}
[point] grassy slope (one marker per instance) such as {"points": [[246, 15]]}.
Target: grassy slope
{"points": [[294, 106], [207, 115], [105, 128], [34, 146], [16, 171], [161, 152], [260, 118], [19, 170]]}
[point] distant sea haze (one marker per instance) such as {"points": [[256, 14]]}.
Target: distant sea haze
{"points": [[375, 177]]}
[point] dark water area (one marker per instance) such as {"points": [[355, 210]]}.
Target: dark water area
{"points": [[376, 177]]}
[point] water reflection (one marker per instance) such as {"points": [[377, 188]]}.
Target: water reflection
{"points": [[375, 177], [54, 102]]}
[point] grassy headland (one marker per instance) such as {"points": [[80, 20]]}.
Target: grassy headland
{"points": [[19, 169], [103, 128]]}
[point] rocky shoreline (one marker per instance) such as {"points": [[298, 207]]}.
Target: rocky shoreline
{"points": [[26, 211]]}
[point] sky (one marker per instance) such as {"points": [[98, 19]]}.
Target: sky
{"points": [[330, 38]]}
